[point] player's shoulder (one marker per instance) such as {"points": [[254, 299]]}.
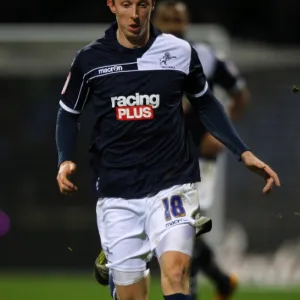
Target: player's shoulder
{"points": [[92, 53], [91, 48], [167, 37], [170, 52], [171, 41]]}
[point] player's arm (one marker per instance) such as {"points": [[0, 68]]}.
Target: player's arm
{"points": [[73, 99], [212, 115], [227, 75]]}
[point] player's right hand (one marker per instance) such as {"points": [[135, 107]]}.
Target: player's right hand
{"points": [[66, 169]]}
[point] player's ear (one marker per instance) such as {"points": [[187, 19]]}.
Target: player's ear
{"points": [[111, 5]]}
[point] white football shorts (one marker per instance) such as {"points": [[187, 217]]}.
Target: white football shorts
{"points": [[131, 229]]}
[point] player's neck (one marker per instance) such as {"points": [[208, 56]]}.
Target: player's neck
{"points": [[135, 42]]}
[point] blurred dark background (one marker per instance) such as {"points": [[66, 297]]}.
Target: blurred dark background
{"points": [[274, 21], [49, 231]]}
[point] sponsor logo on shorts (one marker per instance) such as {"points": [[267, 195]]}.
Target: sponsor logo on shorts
{"points": [[135, 107], [175, 222]]}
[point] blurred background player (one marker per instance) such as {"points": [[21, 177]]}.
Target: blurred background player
{"points": [[172, 16]]}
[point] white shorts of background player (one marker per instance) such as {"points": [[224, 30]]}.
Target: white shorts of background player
{"points": [[207, 186]]}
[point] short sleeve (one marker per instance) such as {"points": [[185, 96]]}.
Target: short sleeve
{"points": [[195, 83], [75, 92]]}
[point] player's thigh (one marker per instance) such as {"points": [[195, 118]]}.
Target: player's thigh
{"points": [[124, 241], [174, 253], [171, 232]]}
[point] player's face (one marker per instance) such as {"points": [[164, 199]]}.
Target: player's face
{"points": [[133, 16], [172, 20]]}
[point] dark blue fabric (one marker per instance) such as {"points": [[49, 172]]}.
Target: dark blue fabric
{"points": [[67, 128], [214, 118]]}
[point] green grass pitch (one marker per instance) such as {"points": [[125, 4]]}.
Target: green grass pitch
{"points": [[83, 287]]}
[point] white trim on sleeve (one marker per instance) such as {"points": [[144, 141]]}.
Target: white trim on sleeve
{"points": [[68, 109], [201, 93]]}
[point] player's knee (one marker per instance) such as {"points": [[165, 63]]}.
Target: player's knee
{"points": [[176, 277], [175, 271]]}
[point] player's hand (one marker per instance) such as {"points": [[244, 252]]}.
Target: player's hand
{"points": [[66, 169], [259, 167]]}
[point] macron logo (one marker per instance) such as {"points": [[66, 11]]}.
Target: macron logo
{"points": [[111, 69]]}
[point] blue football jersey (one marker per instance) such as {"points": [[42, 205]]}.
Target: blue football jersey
{"points": [[140, 144]]}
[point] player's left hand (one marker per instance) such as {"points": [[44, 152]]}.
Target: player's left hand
{"points": [[259, 167]]}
